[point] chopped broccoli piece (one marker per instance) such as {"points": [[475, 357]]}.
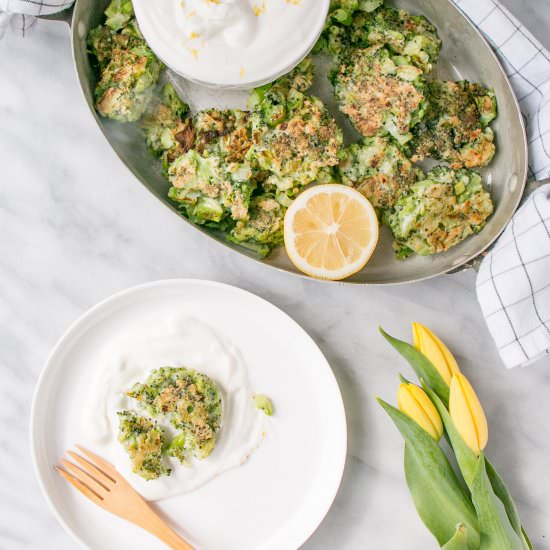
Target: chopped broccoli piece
{"points": [[171, 100], [275, 100], [119, 13], [182, 445], [101, 42], [168, 132], [143, 440], [486, 102], [263, 403], [208, 210], [191, 401]]}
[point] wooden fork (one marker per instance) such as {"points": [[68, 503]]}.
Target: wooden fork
{"points": [[98, 480]]}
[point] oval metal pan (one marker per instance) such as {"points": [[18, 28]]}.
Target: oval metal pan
{"points": [[465, 55]]}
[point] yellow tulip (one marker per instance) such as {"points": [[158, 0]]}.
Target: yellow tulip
{"points": [[467, 413], [435, 350], [414, 402]]}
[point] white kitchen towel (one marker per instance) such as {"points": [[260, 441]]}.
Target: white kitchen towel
{"points": [[20, 14], [513, 284]]}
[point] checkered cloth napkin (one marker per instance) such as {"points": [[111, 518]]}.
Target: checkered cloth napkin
{"points": [[513, 285]]}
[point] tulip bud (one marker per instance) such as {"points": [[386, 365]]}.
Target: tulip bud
{"points": [[435, 350], [414, 402], [467, 414]]}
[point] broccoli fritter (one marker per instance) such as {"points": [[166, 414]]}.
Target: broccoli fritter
{"points": [[143, 440], [378, 169], [439, 212], [357, 26], [295, 152], [263, 230], [214, 181], [456, 127], [192, 403], [337, 32], [296, 140], [404, 34], [167, 129], [128, 68], [380, 93], [209, 189]]}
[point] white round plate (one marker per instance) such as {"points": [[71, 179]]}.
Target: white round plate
{"points": [[274, 501]]}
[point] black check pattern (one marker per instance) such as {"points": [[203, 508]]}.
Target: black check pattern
{"points": [[513, 285]]}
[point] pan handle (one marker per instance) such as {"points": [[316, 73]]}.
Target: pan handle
{"points": [[65, 16], [476, 262]]}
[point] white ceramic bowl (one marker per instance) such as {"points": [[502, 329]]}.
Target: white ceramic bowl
{"points": [[168, 46]]}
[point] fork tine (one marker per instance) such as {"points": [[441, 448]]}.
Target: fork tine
{"points": [[92, 469], [93, 483], [107, 466], [80, 486]]}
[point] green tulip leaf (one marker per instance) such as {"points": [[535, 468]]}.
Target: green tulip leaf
{"points": [[467, 462], [526, 539], [439, 498], [403, 380], [421, 365], [503, 494], [462, 539], [465, 457], [497, 532]]}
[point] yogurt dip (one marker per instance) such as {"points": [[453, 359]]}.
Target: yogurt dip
{"points": [[232, 43], [178, 342]]}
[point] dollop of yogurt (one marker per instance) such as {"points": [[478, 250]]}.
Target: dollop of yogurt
{"points": [[231, 42], [178, 342], [232, 19]]}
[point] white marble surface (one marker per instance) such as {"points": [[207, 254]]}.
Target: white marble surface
{"points": [[75, 227]]}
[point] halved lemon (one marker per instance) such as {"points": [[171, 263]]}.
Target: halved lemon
{"points": [[330, 231]]}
